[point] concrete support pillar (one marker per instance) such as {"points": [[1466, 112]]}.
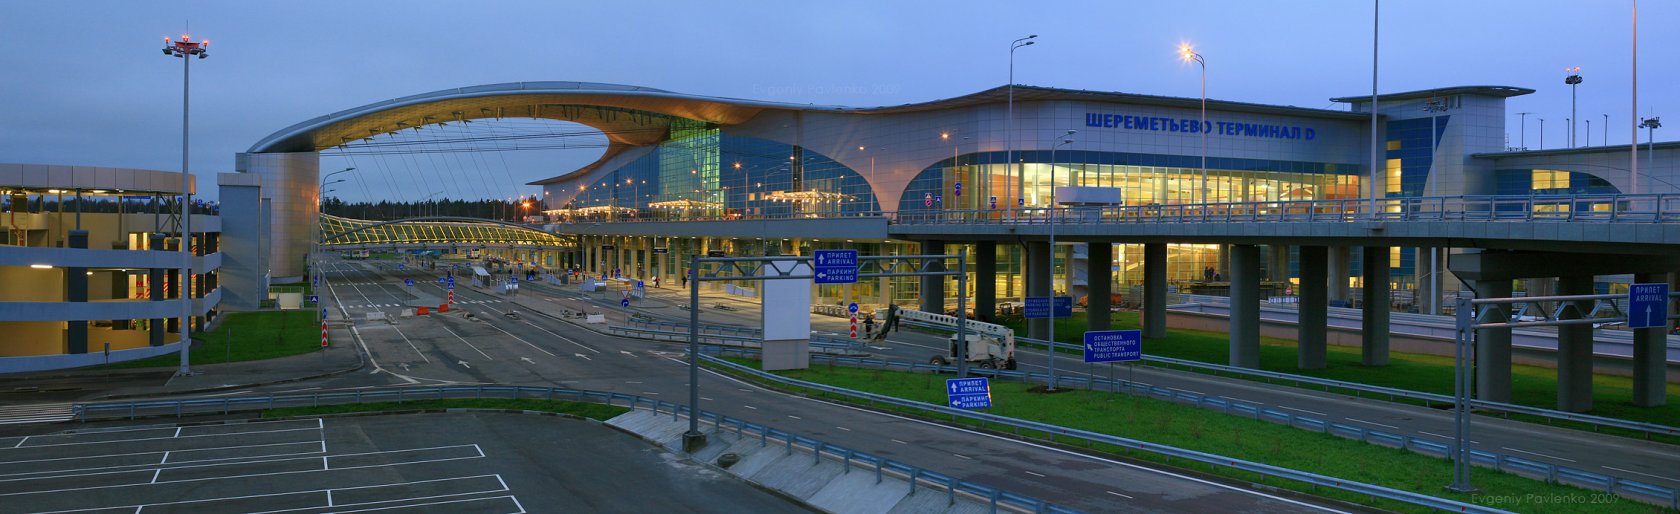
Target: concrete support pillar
{"points": [[985, 280], [1038, 283], [195, 283], [1650, 355], [76, 290], [1313, 321], [1223, 265], [1245, 306], [1428, 297], [1575, 345], [1099, 280], [1374, 336], [933, 288], [1155, 290], [119, 288], [1277, 269], [1493, 345], [154, 283], [1341, 269]]}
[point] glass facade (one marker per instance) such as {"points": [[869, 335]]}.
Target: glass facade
{"points": [[1143, 179], [703, 172]]}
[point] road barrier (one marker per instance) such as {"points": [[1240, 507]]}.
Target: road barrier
{"points": [[918, 477], [1631, 489]]}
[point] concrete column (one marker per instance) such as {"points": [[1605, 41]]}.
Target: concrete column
{"points": [[1427, 297], [1575, 345], [1155, 290], [933, 288], [76, 290], [1650, 355], [1223, 265], [1374, 336], [154, 283], [1341, 268], [119, 287], [1493, 345], [1038, 283], [1245, 306], [985, 280], [1313, 319], [1099, 280], [196, 282], [1277, 269]]}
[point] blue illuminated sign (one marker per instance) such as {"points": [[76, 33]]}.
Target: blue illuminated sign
{"points": [[1191, 126]]}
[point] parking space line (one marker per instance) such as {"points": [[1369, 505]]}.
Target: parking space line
{"points": [[165, 458], [330, 502], [20, 441], [508, 497], [205, 462], [115, 441], [476, 449]]}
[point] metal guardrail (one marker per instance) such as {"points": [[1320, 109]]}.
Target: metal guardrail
{"points": [[681, 334], [1264, 470], [1616, 208], [1600, 208], [918, 477], [1427, 398]]}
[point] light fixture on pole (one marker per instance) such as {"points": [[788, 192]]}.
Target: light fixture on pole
{"points": [[315, 248], [1574, 80], [185, 49], [1376, 12], [1522, 129], [1650, 125], [1606, 130], [1542, 132], [1009, 122], [1051, 276], [1188, 54]]}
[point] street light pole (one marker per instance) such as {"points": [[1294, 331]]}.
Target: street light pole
{"points": [[1574, 80], [1051, 276], [1542, 132], [1522, 129], [1650, 125], [1376, 12], [1009, 121], [184, 50], [1189, 54], [1606, 130]]}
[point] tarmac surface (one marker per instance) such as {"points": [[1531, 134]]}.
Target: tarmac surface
{"points": [[486, 463]]}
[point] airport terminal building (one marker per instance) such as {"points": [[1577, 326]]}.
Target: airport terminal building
{"points": [[749, 164]]}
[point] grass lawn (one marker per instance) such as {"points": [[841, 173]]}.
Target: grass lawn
{"points": [[256, 336], [1193, 428], [1530, 385], [587, 410]]}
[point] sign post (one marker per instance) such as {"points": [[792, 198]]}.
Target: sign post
{"points": [[1647, 306], [1041, 307], [323, 327], [969, 393], [835, 266]]}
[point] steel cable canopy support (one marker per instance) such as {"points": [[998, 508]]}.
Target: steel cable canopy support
{"points": [[789, 268], [1521, 312]]}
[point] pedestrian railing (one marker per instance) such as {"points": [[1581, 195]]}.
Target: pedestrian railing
{"points": [[996, 498], [1428, 398], [1632, 489], [680, 333], [1606, 208]]}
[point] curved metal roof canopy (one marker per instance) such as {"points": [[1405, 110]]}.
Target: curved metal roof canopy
{"points": [[443, 230]]}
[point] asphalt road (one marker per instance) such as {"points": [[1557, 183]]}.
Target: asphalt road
{"points": [[538, 350]]}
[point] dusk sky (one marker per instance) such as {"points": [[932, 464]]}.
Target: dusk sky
{"points": [[85, 82]]}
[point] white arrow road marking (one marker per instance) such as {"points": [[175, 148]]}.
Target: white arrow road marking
{"points": [[627, 353], [463, 364], [528, 360], [582, 356]]}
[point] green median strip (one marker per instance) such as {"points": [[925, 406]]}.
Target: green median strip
{"points": [[255, 336], [1530, 385], [1194, 428], [587, 410]]}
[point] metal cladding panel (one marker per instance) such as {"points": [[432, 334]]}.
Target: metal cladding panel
{"points": [[292, 182]]}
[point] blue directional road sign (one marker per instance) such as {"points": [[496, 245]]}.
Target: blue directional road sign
{"points": [[451, 281], [314, 298], [625, 302], [1113, 345], [957, 189], [1647, 305], [969, 393], [1049, 307], [408, 282], [852, 308], [994, 202], [402, 266], [835, 266]]}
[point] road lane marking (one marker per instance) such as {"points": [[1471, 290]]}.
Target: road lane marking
{"points": [[1644, 474], [650, 393], [899, 442], [1313, 412], [794, 417], [1118, 494], [1355, 420], [843, 428], [1035, 474], [750, 407], [964, 457], [464, 340], [705, 398], [1537, 454]]}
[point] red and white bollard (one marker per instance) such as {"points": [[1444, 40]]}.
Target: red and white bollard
{"points": [[854, 325], [452, 297], [323, 332]]}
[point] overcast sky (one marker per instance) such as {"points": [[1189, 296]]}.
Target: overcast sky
{"points": [[84, 82]]}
